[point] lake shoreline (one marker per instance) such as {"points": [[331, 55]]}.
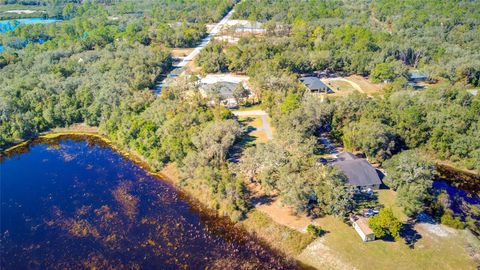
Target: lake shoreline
{"points": [[165, 175], [169, 175]]}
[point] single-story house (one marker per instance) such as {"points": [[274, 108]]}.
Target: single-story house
{"points": [[417, 76], [415, 85], [360, 224], [245, 26], [346, 156], [224, 90], [314, 84], [359, 172]]}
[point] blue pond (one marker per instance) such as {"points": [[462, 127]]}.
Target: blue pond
{"points": [[10, 25], [74, 203]]}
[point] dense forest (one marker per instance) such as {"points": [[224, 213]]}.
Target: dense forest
{"points": [[441, 38], [365, 39], [97, 67], [97, 70]]}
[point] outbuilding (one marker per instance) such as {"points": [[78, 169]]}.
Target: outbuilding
{"points": [[360, 224]]}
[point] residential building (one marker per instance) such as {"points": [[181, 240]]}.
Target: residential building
{"points": [[417, 76], [359, 172], [314, 84]]}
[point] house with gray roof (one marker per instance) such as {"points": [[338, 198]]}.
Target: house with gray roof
{"points": [[417, 76], [224, 90], [359, 172], [314, 84]]}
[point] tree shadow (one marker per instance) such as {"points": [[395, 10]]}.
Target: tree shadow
{"points": [[365, 201], [235, 153], [410, 235], [262, 199]]}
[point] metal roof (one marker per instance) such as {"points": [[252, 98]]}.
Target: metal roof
{"points": [[363, 225], [346, 156], [359, 172], [313, 83], [225, 89]]}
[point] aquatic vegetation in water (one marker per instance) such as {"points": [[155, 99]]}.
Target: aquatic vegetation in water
{"points": [[95, 209]]}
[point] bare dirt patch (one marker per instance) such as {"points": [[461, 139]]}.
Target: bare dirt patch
{"points": [[320, 256], [181, 52], [285, 215], [22, 11], [346, 85]]}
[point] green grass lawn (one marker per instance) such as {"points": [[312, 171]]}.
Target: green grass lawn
{"points": [[430, 252], [386, 197], [254, 136]]}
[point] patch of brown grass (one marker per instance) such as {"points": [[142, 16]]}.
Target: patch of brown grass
{"points": [[284, 239]]}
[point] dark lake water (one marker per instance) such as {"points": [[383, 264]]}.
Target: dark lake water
{"points": [[77, 204]]}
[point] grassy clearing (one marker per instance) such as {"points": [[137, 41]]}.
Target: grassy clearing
{"points": [[341, 86], [256, 135], [282, 238], [386, 197], [21, 7], [430, 252]]}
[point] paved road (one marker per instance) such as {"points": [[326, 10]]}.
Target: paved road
{"points": [[263, 115], [187, 59], [179, 68]]}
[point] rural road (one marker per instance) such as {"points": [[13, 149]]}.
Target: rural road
{"points": [[263, 115], [179, 68], [205, 41]]}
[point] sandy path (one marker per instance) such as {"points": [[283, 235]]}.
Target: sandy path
{"points": [[265, 124]]}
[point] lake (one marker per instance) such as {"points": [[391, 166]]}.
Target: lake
{"points": [[75, 203], [10, 25]]}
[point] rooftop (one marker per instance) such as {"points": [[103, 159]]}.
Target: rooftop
{"points": [[363, 224], [225, 89], [359, 172], [313, 83], [417, 75]]}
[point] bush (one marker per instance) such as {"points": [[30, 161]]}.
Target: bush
{"points": [[315, 231], [451, 221], [385, 224]]}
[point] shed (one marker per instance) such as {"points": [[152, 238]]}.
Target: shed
{"points": [[314, 84], [360, 224]]}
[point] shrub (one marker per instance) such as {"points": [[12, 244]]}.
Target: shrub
{"points": [[315, 231], [450, 220], [385, 224]]}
